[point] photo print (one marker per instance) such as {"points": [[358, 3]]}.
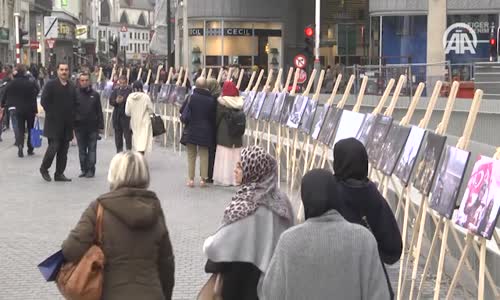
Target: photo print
{"points": [[278, 107], [287, 108], [308, 116], [172, 97], [349, 126], [377, 138], [406, 162], [329, 127], [180, 95], [449, 180], [164, 93], [257, 105], [267, 108], [321, 111], [297, 111], [480, 205], [247, 104], [108, 89], [428, 162], [155, 91], [392, 148], [366, 129]]}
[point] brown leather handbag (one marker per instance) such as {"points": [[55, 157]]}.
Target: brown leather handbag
{"points": [[212, 290], [83, 280]]}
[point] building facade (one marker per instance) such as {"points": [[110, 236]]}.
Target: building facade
{"points": [[7, 42]]}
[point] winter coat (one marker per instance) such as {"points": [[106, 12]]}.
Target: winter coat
{"points": [[21, 93], [201, 127], [3, 86], [119, 108], [88, 110], [139, 108], [139, 261], [59, 103], [224, 107]]}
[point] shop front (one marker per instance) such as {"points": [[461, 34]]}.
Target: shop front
{"points": [[65, 45], [4, 45]]}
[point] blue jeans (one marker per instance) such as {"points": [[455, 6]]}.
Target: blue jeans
{"points": [[87, 149], [13, 120]]}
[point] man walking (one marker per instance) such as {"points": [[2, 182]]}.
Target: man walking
{"points": [[21, 93], [8, 109], [59, 102], [121, 122], [88, 121]]}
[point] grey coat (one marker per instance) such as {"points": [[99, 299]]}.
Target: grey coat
{"points": [[326, 258]]}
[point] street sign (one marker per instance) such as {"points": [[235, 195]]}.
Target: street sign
{"points": [[51, 43], [302, 76], [34, 45], [300, 61], [124, 36], [50, 27]]}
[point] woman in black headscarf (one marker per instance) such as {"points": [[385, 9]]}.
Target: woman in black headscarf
{"points": [[363, 202]]}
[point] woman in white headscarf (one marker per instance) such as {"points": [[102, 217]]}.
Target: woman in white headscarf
{"points": [[139, 108]]}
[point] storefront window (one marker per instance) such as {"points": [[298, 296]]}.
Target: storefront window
{"points": [[404, 39]]}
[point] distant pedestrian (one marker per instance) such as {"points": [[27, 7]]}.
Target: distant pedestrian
{"points": [[215, 90], [139, 108], [21, 93], [7, 106], [198, 133], [241, 249], [88, 122], [229, 141], [139, 261], [59, 102], [121, 122], [325, 257]]}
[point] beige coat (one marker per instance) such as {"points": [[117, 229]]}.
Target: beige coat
{"points": [[139, 108]]}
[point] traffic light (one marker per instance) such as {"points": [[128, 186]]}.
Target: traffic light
{"points": [[493, 48], [22, 40], [309, 40]]}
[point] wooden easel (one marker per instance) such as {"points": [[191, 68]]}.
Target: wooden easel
{"points": [[255, 88], [287, 129], [128, 75], [209, 73], [419, 226], [139, 74], [203, 72], [265, 89], [252, 78], [219, 76], [172, 114], [276, 89], [240, 78]]}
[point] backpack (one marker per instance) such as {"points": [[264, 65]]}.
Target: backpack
{"points": [[236, 122]]}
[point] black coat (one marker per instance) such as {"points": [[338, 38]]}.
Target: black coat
{"points": [[21, 93], [119, 112], [201, 128], [88, 110], [223, 137], [59, 103], [240, 279]]}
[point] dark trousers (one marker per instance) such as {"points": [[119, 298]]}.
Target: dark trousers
{"points": [[122, 130], [211, 161], [87, 148], [59, 147], [24, 121]]}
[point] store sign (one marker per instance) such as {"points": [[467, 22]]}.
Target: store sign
{"points": [[66, 30], [234, 32], [4, 34], [82, 32], [460, 38]]}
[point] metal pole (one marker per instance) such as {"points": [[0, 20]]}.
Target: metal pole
{"points": [[169, 37], [18, 42]]}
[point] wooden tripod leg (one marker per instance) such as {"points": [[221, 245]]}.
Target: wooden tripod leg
{"points": [[442, 256], [468, 241], [482, 268], [278, 155], [294, 158], [174, 124], [491, 282], [268, 136], [256, 133], [406, 217], [385, 189], [400, 203], [324, 157], [461, 247], [312, 160], [430, 257], [287, 155], [420, 232], [306, 158], [297, 164]]}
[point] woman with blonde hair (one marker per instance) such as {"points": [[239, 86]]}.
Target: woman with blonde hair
{"points": [[139, 260]]}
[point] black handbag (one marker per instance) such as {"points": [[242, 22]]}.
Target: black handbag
{"points": [[158, 125], [186, 112]]}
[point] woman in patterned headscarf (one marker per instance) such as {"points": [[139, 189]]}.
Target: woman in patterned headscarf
{"points": [[242, 248]]}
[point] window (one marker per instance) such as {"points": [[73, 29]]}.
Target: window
{"points": [[105, 12], [142, 20], [131, 35], [124, 18]]}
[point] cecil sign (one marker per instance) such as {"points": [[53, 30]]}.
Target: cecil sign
{"points": [[460, 38]]}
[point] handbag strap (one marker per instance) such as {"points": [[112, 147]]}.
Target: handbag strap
{"points": [[98, 224]]}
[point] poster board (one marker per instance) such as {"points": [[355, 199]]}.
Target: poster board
{"points": [[279, 104], [298, 109], [332, 119], [349, 125], [247, 104], [408, 158], [428, 162], [308, 116], [365, 131], [392, 148], [379, 133], [320, 120], [267, 107], [257, 104], [287, 108]]}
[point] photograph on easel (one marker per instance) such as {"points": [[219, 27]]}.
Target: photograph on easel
{"points": [[172, 96], [480, 205], [278, 107], [287, 109], [349, 126], [449, 177], [257, 105], [406, 162], [428, 162], [267, 108], [330, 125], [164, 93], [366, 129], [392, 148], [377, 138], [319, 121], [155, 91], [308, 116], [180, 95], [297, 111], [108, 89], [247, 104]]}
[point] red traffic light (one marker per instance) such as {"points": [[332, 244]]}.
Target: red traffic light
{"points": [[493, 41], [309, 31]]}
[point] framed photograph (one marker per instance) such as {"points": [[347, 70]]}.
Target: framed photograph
{"points": [[172, 97], [349, 126], [449, 180], [406, 162], [180, 93], [392, 148], [329, 127], [480, 205], [366, 129], [428, 162], [299, 106], [257, 105], [377, 138], [164, 93], [287, 109], [278, 107], [247, 104], [155, 92], [108, 89], [321, 111], [267, 108], [308, 116]]}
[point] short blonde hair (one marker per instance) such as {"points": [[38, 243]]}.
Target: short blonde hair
{"points": [[128, 169]]}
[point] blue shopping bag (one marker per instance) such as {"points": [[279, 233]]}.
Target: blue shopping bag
{"points": [[36, 135], [50, 267]]}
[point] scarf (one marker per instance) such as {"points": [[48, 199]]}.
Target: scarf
{"points": [[213, 87], [350, 160], [259, 188], [318, 193], [231, 102]]}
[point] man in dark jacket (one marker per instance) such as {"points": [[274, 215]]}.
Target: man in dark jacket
{"points": [[7, 109], [59, 102], [21, 93], [121, 122], [88, 121]]}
